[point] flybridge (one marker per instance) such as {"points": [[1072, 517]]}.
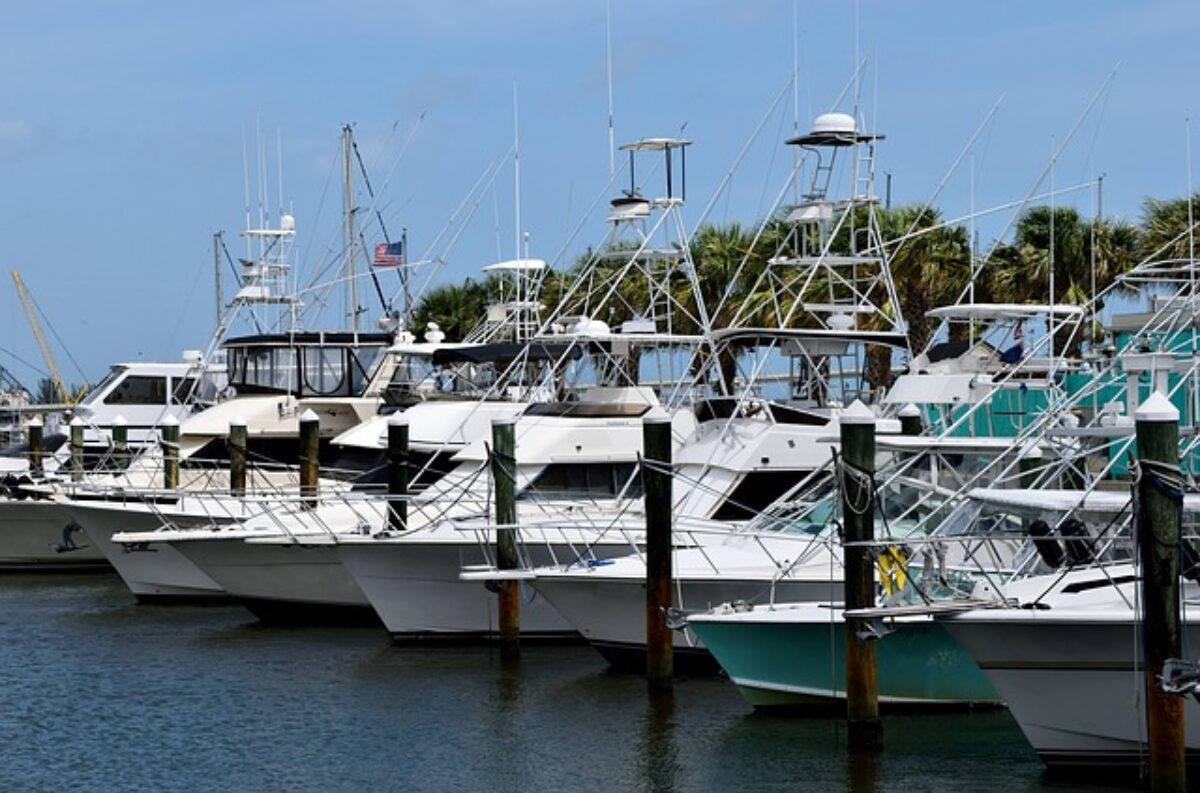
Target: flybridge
{"points": [[312, 363]]}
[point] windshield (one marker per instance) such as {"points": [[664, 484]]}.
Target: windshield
{"points": [[103, 385]]}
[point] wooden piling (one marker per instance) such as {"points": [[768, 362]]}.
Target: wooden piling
{"points": [[858, 518], [120, 443], [1158, 529], [169, 440], [397, 433], [238, 442], [76, 443], [310, 466], [37, 445], [504, 484], [910, 420], [656, 482]]}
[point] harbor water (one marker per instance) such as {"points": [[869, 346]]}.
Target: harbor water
{"points": [[99, 693]]}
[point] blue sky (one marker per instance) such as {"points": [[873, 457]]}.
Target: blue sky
{"points": [[121, 125]]}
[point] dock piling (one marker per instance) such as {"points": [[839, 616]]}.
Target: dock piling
{"points": [[310, 466], [864, 729], [1158, 530], [169, 440], [238, 443], [656, 482], [504, 471], [76, 442], [120, 443], [37, 445], [397, 433]]}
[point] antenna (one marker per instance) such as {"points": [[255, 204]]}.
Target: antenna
{"points": [[1053, 211], [612, 134], [796, 92], [279, 165], [348, 208], [261, 170], [246, 188], [516, 176]]}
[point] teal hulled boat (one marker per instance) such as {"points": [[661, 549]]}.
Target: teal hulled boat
{"points": [[794, 656]]}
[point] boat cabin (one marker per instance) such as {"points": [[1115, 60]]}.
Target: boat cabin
{"points": [[308, 364]]}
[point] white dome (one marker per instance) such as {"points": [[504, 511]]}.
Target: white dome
{"points": [[840, 321], [288, 223], [834, 123], [590, 327]]}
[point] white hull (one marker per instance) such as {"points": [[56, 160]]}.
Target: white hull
{"points": [[1076, 688], [282, 574], [416, 590], [610, 612], [37, 535], [152, 571]]}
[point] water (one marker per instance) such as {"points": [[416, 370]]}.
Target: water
{"points": [[98, 693]]}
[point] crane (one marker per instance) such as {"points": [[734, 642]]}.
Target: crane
{"points": [[31, 314]]}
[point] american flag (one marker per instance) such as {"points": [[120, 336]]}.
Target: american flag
{"points": [[389, 254]]}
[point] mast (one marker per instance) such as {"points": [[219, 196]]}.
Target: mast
{"points": [[348, 232]]}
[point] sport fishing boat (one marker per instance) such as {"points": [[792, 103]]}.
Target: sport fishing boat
{"points": [[36, 532]]}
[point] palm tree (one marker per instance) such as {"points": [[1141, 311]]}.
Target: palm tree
{"points": [[456, 308], [1165, 228]]}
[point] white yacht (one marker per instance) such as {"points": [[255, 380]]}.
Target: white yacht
{"points": [[273, 379], [36, 532]]}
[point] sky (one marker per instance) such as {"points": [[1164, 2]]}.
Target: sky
{"points": [[123, 128]]}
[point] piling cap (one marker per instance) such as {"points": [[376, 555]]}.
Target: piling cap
{"points": [[1156, 408], [237, 421], [119, 421], [656, 415], [503, 421], [170, 421], [398, 419], [857, 413], [1031, 450], [308, 416], [36, 421], [76, 422], [909, 411]]}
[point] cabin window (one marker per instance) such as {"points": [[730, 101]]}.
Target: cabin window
{"points": [[324, 370], [363, 362], [99, 388], [183, 389], [586, 480], [756, 491], [139, 390]]}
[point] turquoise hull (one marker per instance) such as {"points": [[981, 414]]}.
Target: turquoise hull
{"points": [[803, 664]]}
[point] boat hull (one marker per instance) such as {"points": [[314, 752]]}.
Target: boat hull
{"points": [[417, 591], [39, 535], [291, 584], [610, 613], [1076, 689], [154, 572], [801, 663]]}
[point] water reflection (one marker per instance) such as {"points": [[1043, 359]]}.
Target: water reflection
{"points": [[862, 769], [658, 753]]}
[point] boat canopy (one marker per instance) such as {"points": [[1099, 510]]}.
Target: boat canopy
{"points": [[766, 336], [503, 352], [996, 311], [1100, 503]]}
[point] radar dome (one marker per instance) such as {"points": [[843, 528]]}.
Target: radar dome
{"points": [[834, 123], [288, 223], [433, 333]]}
